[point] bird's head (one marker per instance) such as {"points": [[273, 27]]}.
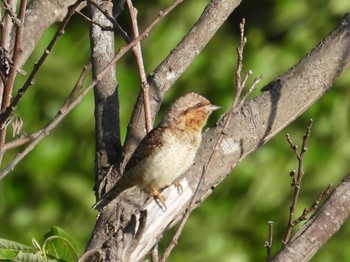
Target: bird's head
{"points": [[189, 112]]}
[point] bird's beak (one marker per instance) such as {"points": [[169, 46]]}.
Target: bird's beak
{"points": [[212, 108]]}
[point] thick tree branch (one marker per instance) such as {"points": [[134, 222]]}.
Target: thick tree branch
{"points": [[320, 227], [108, 144]]}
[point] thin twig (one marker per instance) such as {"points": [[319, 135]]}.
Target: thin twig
{"points": [[314, 206], [240, 48], [296, 179], [78, 85], [105, 13], [141, 68], [88, 19], [178, 232], [235, 106], [268, 243], [251, 90], [116, 26]]}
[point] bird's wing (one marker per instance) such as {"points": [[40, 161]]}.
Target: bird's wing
{"points": [[151, 142]]}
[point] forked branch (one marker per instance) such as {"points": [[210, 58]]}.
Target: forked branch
{"points": [[296, 178], [296, 184]]}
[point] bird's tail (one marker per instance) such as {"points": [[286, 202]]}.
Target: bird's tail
{"points": [[119, 187]]}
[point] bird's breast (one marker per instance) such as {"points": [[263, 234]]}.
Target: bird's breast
{"points": [[170, 161]]}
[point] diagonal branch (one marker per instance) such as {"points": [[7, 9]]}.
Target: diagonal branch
{"points": [[139, 59]]}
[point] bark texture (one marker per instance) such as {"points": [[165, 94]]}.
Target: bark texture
{"points": [[107, 133]]}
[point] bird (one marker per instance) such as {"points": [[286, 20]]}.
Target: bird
{"points": [[167, 151]]}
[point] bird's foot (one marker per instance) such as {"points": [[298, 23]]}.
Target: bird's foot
{"points": [[155, 193], [178, 187]]}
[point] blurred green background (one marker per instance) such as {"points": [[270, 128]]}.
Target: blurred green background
{"points": [[53, 185]]}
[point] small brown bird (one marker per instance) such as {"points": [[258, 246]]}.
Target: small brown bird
{"points": [[167, 151]]}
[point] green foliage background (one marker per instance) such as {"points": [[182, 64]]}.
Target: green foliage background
{"points": [[53, 185]]}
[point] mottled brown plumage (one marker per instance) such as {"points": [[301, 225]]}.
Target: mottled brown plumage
{"points": [[167, 151]]}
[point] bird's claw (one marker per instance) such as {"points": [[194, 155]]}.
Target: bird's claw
{"points": [[155, 193], [178, 187]]}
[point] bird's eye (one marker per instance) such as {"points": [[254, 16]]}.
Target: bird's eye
{"points": [[198, 105]]}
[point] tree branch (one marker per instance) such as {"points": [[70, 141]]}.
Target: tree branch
{"points": [[107, 127], [296, 179], [139, 59]]}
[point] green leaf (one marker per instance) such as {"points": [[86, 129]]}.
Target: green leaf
{"points": [[36, 244], [60, 245], [29, 257], [6, 254], [14, 246]]}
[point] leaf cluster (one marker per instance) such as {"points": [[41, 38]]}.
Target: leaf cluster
{"points": [[57, 245]]}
